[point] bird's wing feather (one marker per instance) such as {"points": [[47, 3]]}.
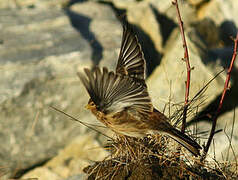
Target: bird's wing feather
{"points": [[114, 92], [131, 60]]}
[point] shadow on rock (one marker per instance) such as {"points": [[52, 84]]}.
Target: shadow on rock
{"points": [[152, 56], [228, 31], [166, 24], [81, 23]]}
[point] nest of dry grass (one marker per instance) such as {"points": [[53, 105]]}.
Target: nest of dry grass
{"points": [[154, 157]]}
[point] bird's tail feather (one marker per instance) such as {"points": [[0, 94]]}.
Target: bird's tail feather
{"points": [[185, 141]]}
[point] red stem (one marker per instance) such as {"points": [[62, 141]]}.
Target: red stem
{"points": [[186, 59], [214, 119]]}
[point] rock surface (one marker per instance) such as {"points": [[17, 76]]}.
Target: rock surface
{"points": [[167, 82], [40, 55], [42, 46], [70, 161]]}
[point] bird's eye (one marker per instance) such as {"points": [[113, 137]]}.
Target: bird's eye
{"points": [[90, 102]]}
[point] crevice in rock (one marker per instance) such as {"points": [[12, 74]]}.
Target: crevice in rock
{"points": [[167, 25], [82, 24], [69, 3], [230, 102], [152, 56], [20, 172]]}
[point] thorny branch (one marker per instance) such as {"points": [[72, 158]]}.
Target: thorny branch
{"points": [[226, 87], [186, 59]]}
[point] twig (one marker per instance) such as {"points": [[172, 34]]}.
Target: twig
{"points": [[186, 59], [81, 122], [214, 119], [198, 95]]}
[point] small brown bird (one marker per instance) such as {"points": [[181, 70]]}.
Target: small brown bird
{"points": [[121, 101]]}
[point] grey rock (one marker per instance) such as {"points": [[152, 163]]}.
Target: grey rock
{"points": [[40, 55], [219, 11], [42, 47], [70, 161], [143, 15], [196, 2], [167, 82], [42, 173], [76, 177], [224, 148], [209, 32], [187, 12], [138, 10], [28, 40], [31, 4], [106, 29]]}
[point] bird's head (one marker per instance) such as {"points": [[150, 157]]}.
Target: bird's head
{"points": [[96, 107], [91, 105]]}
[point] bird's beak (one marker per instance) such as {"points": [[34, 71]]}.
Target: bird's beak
{"points": [[87, 106]]}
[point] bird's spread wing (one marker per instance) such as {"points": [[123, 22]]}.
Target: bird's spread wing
{"points": [[131, 60], [114, 92]]}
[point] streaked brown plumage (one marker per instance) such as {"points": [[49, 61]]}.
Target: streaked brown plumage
{"points": [[121, 101]]}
